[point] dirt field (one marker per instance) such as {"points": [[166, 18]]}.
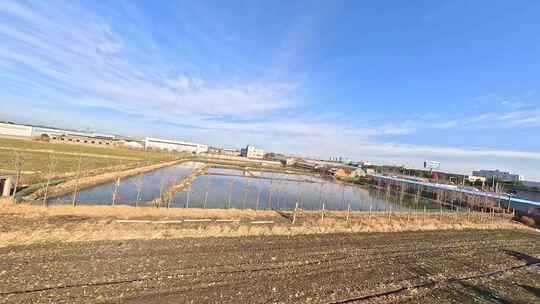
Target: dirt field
{"points": [[469, 266]]}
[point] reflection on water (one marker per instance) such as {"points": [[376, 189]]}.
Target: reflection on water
{"points": [[281, 191], [234, 188], [153, 183]]}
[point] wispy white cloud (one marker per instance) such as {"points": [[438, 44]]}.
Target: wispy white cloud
{"points": [[79, 59], [87, 58]]}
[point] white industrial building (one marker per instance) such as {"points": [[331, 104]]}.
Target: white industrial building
{"points": [[251, 152], [172, 145], [16, 130], [498, 175], [19, 130]]}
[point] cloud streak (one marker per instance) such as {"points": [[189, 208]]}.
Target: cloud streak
{"points": [[74, 57]]}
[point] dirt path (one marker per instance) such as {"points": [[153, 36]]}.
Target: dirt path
{"points": [[493, 266]]}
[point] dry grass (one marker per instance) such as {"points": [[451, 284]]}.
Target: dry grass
{"points": [[35, 157], [128, 212], [25, 224]]}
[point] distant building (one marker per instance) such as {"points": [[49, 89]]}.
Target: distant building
{"points": [[81, 140], [252, 152], [223, 151], [38, 131], [56, 135], [357, 173], [284, 159], [16, 130], [474, 179], [172, 145], [498, 175]]}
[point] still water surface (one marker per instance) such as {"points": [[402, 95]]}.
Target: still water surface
{"points": [[236, 188]]}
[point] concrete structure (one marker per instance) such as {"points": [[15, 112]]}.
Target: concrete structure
{"points": [[172, 145], [498, 175], [252, 152], [15, 130], [6, 184]]}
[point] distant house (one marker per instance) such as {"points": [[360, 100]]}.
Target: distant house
{"points": [[357, 173], [339, 172]]}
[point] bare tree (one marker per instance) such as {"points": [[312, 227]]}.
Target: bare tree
{"points": [[230, 193], [171, 195], [115, 191], [206, 193], [77, 180], [258, 194], [51, 166], [298, 201], [270, 190], [139, 184], [18, 164], [246, 191], [188, 194]]}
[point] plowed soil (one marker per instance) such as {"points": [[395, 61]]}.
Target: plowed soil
{"points": [[469, 266]]}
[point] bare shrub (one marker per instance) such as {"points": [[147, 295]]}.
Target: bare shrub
{"points": [[529, 221]]}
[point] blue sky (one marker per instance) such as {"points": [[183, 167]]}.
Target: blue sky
{"points": [[387, 81]]}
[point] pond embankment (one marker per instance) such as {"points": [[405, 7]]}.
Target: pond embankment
{"points": [[85, 182]]}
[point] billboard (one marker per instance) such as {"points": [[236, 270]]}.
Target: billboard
{"points": [[431, 164]]}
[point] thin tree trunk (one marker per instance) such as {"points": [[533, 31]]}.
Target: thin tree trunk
{"points": [[18, 169], [74, 201], [115, 191]]}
